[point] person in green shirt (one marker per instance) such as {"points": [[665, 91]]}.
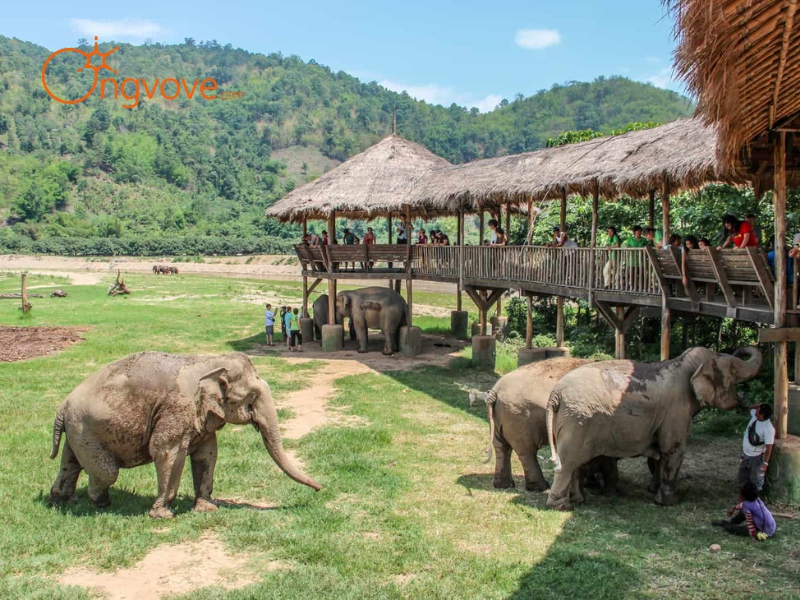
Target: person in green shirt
{"points": [[610, 269], [294, 328], [635, 241]]}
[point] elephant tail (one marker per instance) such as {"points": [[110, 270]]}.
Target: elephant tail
{"points": [[58, 429], [489, 398], [553, 404]]}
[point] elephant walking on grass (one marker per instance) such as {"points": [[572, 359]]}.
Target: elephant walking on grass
{"points": [[156, 407], [320, 317], [374, 308], [623, 408], [517, 406]]}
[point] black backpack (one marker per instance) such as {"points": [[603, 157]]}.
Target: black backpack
{"points": [[752, 436]]}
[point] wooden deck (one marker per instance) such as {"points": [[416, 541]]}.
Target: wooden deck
{"points": [[727, 283]]}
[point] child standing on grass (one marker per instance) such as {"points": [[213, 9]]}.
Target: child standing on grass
{"points": [[760, 522], [287, 327], [294, 328]]}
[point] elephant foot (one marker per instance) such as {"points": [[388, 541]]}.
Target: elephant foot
{"points": [[503, 484], [57, 499], [537, 486], [576, 499], [360, 351], [666, 498], [385, 353], [559, 504], [160, 512], [204, 505], [102, 501]]}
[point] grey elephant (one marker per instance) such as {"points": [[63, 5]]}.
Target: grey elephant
{"points": [[320, 317], [623, 408], [517, 406], [374, 308], [156, 407]]}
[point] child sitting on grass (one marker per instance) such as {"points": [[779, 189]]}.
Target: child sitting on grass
{"points": [[760, 522]]}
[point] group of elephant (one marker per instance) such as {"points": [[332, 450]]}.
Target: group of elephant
{"points": [[366, 308], [594, 413], [165, 270]]}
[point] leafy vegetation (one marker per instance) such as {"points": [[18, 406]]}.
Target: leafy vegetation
{"points": [[204, 169]]}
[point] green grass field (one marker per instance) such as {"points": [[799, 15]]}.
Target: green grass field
{"points": [[407, 509]]}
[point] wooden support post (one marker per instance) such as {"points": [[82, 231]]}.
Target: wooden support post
{"points": [[409, 301], [593, 261], [665, 191], [332, 281], [563, 221], [530, 223], [666, 324], [529, 325], [508, 222], [560, 322], [480, 226], [651, 215], [26, 306], [460, 258], [305, 279], [779, 320], [619, 334]]}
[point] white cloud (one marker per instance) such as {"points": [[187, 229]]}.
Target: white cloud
{"points": [[662, 79], [136, 29], [437, 94], [536, 39]]}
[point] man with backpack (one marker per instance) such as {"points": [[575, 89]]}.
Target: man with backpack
{"points": [[757, 446]]}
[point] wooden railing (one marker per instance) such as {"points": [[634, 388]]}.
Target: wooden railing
{"points": [[439, 261], [627, 270]]}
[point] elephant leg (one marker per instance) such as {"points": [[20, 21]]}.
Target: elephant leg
{"points": [[388, 344], [169, 466], [100, 465], [534, 478], [559, 496], [668, 477], [502, 463], [204, 459], [361, 332], [576, 489], [63, 489], [655, 474], [610, 470]]}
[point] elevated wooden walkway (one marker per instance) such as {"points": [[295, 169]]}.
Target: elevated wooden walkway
{"points": [[727, 283]]}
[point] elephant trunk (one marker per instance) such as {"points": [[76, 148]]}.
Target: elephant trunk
{"points": [[747, 362], [265, 419]]}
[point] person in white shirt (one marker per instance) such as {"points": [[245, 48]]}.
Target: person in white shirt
{"points": [[757, 446], [269, 319]]}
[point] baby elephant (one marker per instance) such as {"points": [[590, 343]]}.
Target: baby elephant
{"points": [[155, 407], [517, 407]]}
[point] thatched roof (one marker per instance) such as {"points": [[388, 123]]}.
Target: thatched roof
{"points": [[632, 163], [741, 59], [378, 181]]}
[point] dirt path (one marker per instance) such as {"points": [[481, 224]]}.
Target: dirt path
{"points": [[169, 570]]}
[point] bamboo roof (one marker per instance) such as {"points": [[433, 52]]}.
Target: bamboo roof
{"points": [[375, 182], [741, 59], [633, 163]]}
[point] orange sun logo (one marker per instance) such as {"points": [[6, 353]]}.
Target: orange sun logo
{"points": [[88, 56]]}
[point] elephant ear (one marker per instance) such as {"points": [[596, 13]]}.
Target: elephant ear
{"points": [[703, 384], [212, 389]]}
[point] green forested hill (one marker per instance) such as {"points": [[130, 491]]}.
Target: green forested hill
{"points": [[164, 172]]}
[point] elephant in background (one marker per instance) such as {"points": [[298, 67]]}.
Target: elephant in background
{"points": [[320, 316], [623, 408], [517, 406], [374, 308], [156, 407]]}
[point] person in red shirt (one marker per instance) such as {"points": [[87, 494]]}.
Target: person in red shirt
{"points": [[740, 233], [369, 238]]}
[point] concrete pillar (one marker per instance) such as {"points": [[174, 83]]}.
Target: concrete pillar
{"points": [[525, 356], [557, 352], [793, 422], [459, 321], [476, 330], [410, 341], [307, 330], [484, 352], [332, 336], [783, 474]]}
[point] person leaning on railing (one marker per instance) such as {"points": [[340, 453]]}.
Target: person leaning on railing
{"points": [[610, 268], [740, 233], [689, 243], [634, 259]]}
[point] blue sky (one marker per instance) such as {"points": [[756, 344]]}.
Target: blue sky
{"points": [[472, 53]]}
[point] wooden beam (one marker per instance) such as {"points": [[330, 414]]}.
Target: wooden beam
{"points": [[560, 322], [787, 32], [563, 220], [480, 226], [784, 334], [304, 314], [689, 287], [331, 282], [722, 276], [529, 324], [631, 314], [314, 285], [779, 307], [665, 191], [608, 314], [763, 275], [651, 220], [592, 265], [508, 222]]}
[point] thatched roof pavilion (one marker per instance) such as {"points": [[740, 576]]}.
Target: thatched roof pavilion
{"points": [[633, 163], [742, 62], [376, 182]]}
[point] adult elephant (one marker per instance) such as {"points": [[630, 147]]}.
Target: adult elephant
{"points": [[623, 408], [320, 316], [156, 407], [517, 406], [374, 308]]}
